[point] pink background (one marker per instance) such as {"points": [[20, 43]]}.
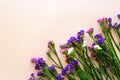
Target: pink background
{"points": [[27, 25]]}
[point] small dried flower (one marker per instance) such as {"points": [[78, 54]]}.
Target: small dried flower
{"points": [[52, 68], [109, 25], [34, 60], [118, 16], [72, 39], [39, 73], [115, 25], [99, 21], [100, 40], [80, 34], [97, 36], [59, 77], [109, 20], [40, 64], [90, 31]]}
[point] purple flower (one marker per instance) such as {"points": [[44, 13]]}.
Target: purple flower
{"points": [[40, 64], [75, 62], [97, 36], [109, 20], [100, 40], [69, 68], [59, 77], [52, 68], [80, 33], [115, 25], [32, 74], [119, 25], [110, 25], [72, 39], [118, 16], [39, 73], [78, 41], [64, 70]]}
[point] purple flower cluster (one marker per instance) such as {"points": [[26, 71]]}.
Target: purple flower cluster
{"points": [[109, 25], [80, 33], [97, 36], [109, 20], [59, 77], [39, 73], [32, 76], [52, 68], [35, 77], [115, 25], [69, 68], [77, 40], [99, 39], [105, 57], [118, 16], [72, 39], [40, 63]]}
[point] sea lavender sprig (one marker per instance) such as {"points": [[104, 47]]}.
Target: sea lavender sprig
{"points": [[78, 47], [116, 28], [108, 39], [96, 62], [51, 46], [100, 53], [42, 69]]}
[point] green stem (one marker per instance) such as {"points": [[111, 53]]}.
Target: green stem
{"points": [[114, 41], [53, 61], [58, 59], [54, 51], [110, 44]]}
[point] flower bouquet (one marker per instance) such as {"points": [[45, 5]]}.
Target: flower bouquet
{"points": [[99, 61]]}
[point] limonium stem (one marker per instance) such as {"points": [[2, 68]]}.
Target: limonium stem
{"points": [[102, 64], [69, 77], [56, 64], [111, 45], [114, 41], [54, 51], [58, 59]]}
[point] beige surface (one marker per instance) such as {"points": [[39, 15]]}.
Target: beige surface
{"points": [[27, 25]]}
